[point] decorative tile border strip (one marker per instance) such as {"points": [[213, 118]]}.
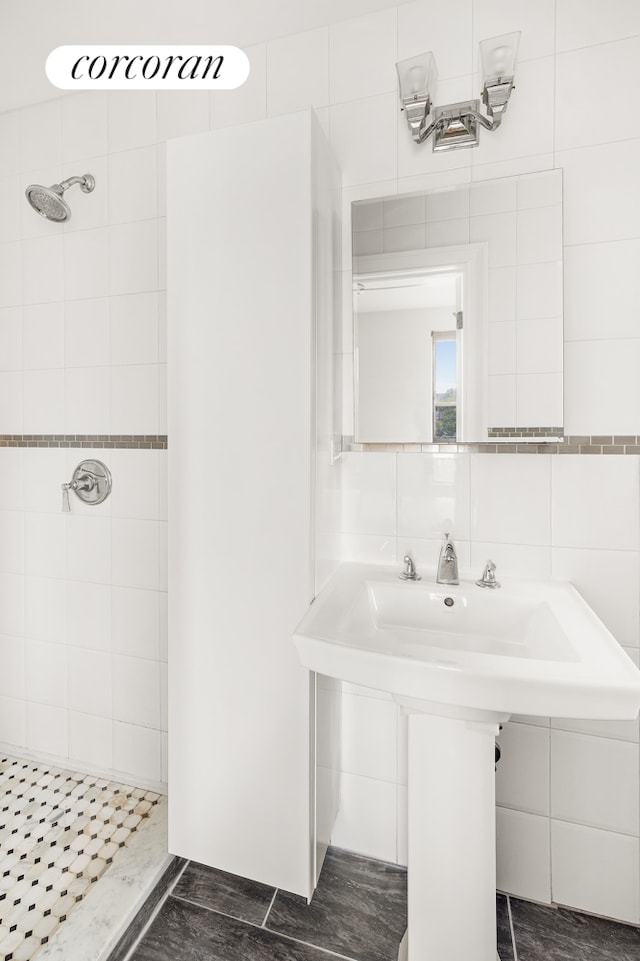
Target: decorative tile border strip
{"points": [[104, 441], [571, 444], [525, 432]]}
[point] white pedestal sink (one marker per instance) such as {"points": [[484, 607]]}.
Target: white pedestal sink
{"points": [[459, 660]]}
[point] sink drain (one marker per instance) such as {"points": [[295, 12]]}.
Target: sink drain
{"points": [[449, 602]]}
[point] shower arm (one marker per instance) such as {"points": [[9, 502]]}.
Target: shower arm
{"points": [[87, 183]]}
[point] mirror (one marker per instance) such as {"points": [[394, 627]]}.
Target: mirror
{"points": [[457, 306]]}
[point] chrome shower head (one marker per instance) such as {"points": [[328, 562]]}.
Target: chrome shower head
{"points": [[49, 202]]}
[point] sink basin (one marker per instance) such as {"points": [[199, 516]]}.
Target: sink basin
{"points": [[530, 647], [460, 660]]}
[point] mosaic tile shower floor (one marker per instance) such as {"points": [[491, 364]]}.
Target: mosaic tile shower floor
{"points": [[59, 832]]}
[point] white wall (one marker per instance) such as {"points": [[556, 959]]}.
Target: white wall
{"points": [[574, 516]]}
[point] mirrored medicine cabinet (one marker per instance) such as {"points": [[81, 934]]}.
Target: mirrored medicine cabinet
{"points": [[457, 310]]}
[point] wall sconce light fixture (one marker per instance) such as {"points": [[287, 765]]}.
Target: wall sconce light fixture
{"points": [[456, 124]]}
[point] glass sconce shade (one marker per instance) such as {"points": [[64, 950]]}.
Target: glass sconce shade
{"points": [[417, 78], [499, 57]]}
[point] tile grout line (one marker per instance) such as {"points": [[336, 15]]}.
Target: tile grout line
{"points": [[266, 917], [271, 931], [513, 933]]}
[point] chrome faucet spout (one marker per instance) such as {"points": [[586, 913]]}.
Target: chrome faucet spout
{"points": [[448, 563]]}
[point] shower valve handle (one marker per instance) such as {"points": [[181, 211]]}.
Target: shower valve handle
{"points": [[66, 507], [91, 481]]}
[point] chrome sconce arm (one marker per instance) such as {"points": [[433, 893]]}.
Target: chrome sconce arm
{"points": [[457, 125]]}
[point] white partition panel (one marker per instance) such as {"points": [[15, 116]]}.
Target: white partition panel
{"points": [[241, 449]]}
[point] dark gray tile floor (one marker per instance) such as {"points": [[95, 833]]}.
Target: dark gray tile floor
{"points": [[358, 912]]}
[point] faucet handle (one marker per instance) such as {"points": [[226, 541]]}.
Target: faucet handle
{"points": [[488, 578], [409, 573]]}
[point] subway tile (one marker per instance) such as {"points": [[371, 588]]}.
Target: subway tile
{"points": [[10, 338], [135, 553], [86, 332], [433, 495], [502, 400], [43, 336], [502, 294], [363, 136], [136, 494], [410, 237], [182, 113], [11, 604], [448, 233], [88, 548], [137, 751], [248, 102], [131, 119], [84, 126], [133, 257], [44, 472], [591, 367], [284, 57], [607, 579], [369, 740], [47, 729], [539, 291], [133, 185], [42, 270], [44, 608], [494, 196], [540, 351], [10, 203], [86, 408], [13, 720], [423, 26], [449, 203], [512, 560], [595, 502], [134, 399], [9, 137], [40, 135], [12, 676], [527, 128], [601, 281], [580, 25], [362, 56], [613, 211], [491, 18], [368, 548], [369, 215], [539, 234], [539, 398], [595, 871], [86, 264], [510, 499], [574, 112], [522, 776], [366, 821], [502, 348], [90, 682], [11, 477], [134, 329], [136, 691], [499, 231], [523, 854], [10, 274], [91, 740], [11, 542], [46, 672], [43, 401], [580, 791], [401, 211], [369, 493], [542, 189], [516, 166], [45, 544], [89, 615]]}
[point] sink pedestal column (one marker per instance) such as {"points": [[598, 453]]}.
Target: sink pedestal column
{"points": [[452, 837]]}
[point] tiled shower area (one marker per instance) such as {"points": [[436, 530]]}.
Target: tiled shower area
{"points": [[60, 831]]}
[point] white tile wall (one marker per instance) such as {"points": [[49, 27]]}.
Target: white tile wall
{"points": [[573, 517]]}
